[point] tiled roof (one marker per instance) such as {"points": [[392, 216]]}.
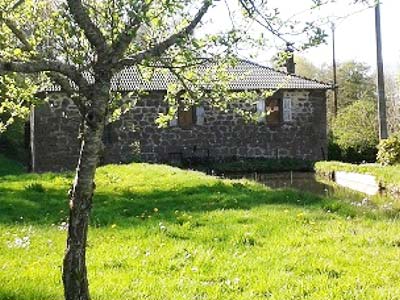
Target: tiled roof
{"points": [[247, 76]]}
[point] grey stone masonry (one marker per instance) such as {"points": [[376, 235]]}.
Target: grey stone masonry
{"points": [[216, 135]]}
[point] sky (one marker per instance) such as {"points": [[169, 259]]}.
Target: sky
{"points": [[355, 30], [355, 38]]}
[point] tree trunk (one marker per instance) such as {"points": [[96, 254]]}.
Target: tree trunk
{"points": [[75, 280]]}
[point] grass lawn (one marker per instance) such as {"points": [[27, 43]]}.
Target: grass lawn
{"points": [[256, 165], [159, 232]]}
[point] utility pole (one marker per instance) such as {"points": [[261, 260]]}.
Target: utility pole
{"points": [[383, 132], [335, 104]]}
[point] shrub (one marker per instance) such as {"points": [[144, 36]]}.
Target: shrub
{"points": [[389, 150], [355, 132], [9, 167], [334, 151], [12, 142]]}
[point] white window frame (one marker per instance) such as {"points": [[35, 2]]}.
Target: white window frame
{"points": [[200, 115], [261, 110], [287, 109]]}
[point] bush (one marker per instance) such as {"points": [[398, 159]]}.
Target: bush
{"points": [[12, 142], [10, 167], [355, 133], [351, 155], [334, 151], [389, 150]]}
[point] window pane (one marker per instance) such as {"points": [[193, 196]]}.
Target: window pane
{"points": [[287, 109]]}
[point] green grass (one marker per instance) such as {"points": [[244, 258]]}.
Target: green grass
{"points": [[159, 232], [256, 165], [387, 175], [9, 167]]}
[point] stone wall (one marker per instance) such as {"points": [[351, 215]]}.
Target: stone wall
{"points": [[222, 135], [54, 135]]}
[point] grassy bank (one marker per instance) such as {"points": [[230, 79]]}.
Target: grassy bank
{"points": [[386, 175], [159, 232], [256, 165]]}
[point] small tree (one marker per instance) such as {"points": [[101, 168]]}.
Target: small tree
{"points": [[306, 68], [17, 93], [355, 83], [354, 79], [355, 131]]}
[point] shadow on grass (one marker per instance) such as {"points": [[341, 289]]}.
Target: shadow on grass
{"points": [[129, 208], [202, 198], [28, 206], [32, 294], [50, 206]]}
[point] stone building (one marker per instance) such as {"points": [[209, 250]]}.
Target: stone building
{"points": [[294, 125]]}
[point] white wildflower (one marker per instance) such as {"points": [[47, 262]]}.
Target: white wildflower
{"points": [[63, 226], [24, 242], [162, 227]]}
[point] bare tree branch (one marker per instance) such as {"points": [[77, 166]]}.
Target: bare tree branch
{"points": [[252, 10], [183, 82], [66, 87], [17, 4], [63, 82], [92, 32], [125, 38], [200, 61], [36, 66], [17, 32], [160, 48]]}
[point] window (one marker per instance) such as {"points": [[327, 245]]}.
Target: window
{"points": [[273, 111], [287, 109], [186, 117]]}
